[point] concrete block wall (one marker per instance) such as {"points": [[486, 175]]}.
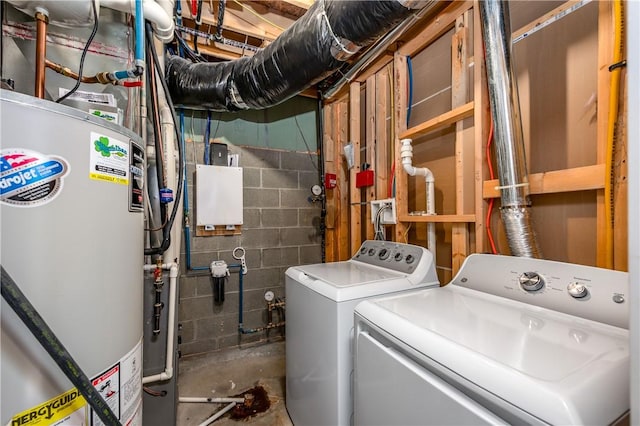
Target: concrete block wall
{"points": [[280, 230]]}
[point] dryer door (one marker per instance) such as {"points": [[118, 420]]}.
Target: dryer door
{"points": [[392, 389]]}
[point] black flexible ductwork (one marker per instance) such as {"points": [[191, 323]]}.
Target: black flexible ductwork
{"points": [[311, 49]]}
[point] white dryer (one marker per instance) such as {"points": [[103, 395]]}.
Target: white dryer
{"points": [[509, 341], [319, 334]]}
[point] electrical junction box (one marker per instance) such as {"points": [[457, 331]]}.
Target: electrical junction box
{"points": [[364, 178], [388, 215], [330, 180], [218, 195]]}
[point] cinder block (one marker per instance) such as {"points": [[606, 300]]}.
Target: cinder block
{"points": [[195, 308], [307, 179], [309, 217], [300, 236], [208, 328], [261, 197], [199, 347], [272, 218], [186, 331], [187, 286], [251, 177], [252, 218], [280, 256], [260, 238], [299, 161], [262, 278], [262, 158], [294, 198], [272, 178], [310, 254]]}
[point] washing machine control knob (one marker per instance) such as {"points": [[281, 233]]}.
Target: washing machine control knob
{"points": [[410, 259], [398, 257], [372, 251], [577, 290], [531, 281], [384, 254]]}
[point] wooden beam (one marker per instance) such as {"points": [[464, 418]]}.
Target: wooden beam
{"points": [[463, 163], [439, 122], [534, 25], [383, 60], [382, 134], [444, 218], [354, 193], [370, 138], [400, 125], [435, 27], [567, 180], [342, 122]]}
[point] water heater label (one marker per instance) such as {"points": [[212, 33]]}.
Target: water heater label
{"points": [[109, 159], [30, 178], [67, 409]]}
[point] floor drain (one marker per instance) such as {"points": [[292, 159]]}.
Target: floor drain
{"points": [[255, 401]]}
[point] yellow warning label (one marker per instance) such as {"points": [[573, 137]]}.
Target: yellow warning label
{"points": [[56, 411], [122, 181]]}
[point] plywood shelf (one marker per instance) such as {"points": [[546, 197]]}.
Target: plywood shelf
{"points": [[444, 218], [439, 122], [567, 180]]}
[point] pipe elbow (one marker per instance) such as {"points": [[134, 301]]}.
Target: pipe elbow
{"points": [[161, 22]]}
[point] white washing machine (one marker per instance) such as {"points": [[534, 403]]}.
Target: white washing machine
{"points": [[509, 341], [319, 333]]}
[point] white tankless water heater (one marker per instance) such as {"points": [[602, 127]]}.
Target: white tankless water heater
{"points": [[72, 239]]}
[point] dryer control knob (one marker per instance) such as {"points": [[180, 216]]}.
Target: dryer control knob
{"points": [[384, 254], [531, 281], [577, 290]]}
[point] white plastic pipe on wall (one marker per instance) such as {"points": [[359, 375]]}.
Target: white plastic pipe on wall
{"points": [[173, 291], [406, 153], [155, 12]]}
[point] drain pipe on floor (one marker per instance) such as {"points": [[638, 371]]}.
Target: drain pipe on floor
{"points": [[173, 291], [406, 153]]}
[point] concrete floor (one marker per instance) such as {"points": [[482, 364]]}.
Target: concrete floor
{"points": [[231, 372]]}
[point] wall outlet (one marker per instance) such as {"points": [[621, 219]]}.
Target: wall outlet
{"points": [[388, 215]]}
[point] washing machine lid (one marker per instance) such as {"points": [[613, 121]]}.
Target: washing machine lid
{"points": [[560, 368], [349, 280]]}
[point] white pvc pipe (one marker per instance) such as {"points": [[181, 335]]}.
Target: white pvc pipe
{"points": [[217, 414], [161, 20], [213, 400], [173, 291], [406, 153]]}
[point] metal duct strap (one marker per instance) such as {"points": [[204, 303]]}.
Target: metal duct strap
{"points": [[308, 51]]}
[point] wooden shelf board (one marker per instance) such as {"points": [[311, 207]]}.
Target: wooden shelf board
{"points": [[567, 180], [444, 218], [439, 122]]}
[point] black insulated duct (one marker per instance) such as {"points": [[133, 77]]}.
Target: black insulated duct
{"points": [[310, 50]]}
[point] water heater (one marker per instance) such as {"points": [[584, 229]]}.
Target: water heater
{"points": [[71, 199]]}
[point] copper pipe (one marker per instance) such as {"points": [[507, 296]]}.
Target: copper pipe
{"points": [[42, 21], [60, 69]]}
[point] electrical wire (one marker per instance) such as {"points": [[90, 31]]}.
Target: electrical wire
{"points": [[410, 84], [221, 8], [259, 16], [315, 166], [181, 160], [614, 97], [84, 53], [492, 200]]}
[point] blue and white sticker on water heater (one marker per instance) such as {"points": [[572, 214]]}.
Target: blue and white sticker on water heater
{"points": [[29, 178]]}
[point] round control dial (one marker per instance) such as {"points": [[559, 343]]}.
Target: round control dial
{"points": [[531, 281], [410, 259], [384, 254], [398, 257], [577, 290]]}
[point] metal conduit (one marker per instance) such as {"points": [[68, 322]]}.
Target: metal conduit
{"points": [[509, 140]]}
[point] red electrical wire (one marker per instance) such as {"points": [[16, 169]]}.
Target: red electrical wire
{"points": [[194, 7], [491, 201]]}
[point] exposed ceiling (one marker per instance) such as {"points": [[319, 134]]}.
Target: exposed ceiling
{"points": [[246, 25]]}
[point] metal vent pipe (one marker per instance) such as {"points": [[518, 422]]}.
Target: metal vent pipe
{"points": [[509, 140], [317, 44]]}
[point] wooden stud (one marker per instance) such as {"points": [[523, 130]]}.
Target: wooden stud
{"points": [[344, 249], [400, 125], [605, 53], [382, 138], [371, 148], [354, 193], [329, 142]]}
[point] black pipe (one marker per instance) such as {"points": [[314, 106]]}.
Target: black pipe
{"points": [[312, 48], [321, 170], [45, 336]]}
